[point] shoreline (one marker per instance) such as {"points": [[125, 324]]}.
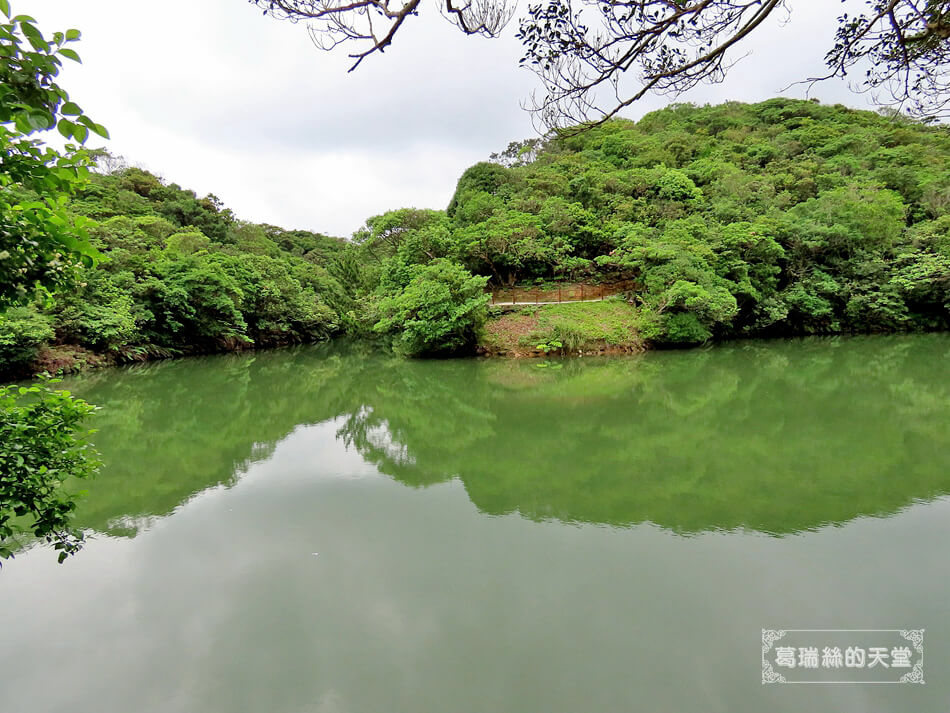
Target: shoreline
{"points": [[96, 361]]}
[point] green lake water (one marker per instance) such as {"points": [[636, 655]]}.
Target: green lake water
{"points": [[329, 529]]}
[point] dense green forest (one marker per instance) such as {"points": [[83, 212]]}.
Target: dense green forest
{"points": [[176, 274], [784, 217]]}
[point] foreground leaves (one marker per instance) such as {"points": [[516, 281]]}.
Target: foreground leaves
{"points": [[39, 452]]}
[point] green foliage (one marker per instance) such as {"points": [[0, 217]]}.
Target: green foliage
{"points": [[42, 246], [675, 185], [278, 306], [99, 313], [482, 178], [163, 286], [192, 298], [440, 311], [187, 243], [784, 217], [845, 221], [780, 217], [41, 242], [183, 208], [387, 234], [39, 452], [22, 331]]}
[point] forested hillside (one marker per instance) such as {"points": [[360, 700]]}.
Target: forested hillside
{"points": [[176, 275], [785, 217]]}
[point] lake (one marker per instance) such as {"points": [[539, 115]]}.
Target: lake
{"points": [[331, 529]]}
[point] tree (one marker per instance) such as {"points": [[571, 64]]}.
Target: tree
{"points": [[41, 244], [439, 311], [901, 45], [385, 234]]}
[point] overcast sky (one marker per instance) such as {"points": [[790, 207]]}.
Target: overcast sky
{"points": [[214, 96]]}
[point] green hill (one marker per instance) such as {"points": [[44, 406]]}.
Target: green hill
{"points": [[780, 217], [176, 275], [784, 217]]}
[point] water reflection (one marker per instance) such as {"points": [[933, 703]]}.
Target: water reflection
{"points": [[422, 600], [776, 437]]}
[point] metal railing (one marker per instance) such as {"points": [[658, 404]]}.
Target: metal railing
{"points": [[574, 292]]}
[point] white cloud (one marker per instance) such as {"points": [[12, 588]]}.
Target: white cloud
{"points": [[219, 99]]}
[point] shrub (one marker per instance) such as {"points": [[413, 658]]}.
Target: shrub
{"points": [[440, 311], [41, 447], [187, 242], [23, 331], [675, 185], [99, 314]]}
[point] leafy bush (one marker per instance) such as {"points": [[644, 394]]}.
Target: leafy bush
{"points": [[684, 328], [98, 314], [675, 185], [41, 243], [22, 331], [440, 311], [187, 242], [277, 307], [195, 302], [41, 447]]}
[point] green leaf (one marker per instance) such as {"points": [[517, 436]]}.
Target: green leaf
{"points": [[70, 34], [80, 133], [22, 123], [93, 126], [40, 120], [35, 37], [71, 54], [70, 109], [65, 127], [5, 7]]}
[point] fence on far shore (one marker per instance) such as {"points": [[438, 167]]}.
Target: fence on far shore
{"points": [[573, 292]]}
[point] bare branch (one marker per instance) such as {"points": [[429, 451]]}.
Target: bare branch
{"points": [[672, 46], [372, 24], [584, 53], [903, 47]]}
